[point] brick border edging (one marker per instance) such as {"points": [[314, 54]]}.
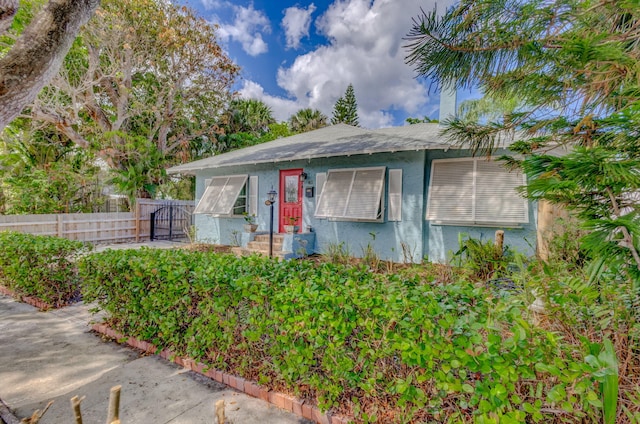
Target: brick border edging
{"points": [[251, 388], [33, 301]]}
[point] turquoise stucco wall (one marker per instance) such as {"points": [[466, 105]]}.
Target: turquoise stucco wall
{"points": [[229, 230], [387, 238], [412, 238]]}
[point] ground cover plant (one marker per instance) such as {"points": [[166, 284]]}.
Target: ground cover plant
{"points": [[40, 266], [418, 345]]}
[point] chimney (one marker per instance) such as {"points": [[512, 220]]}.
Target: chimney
{"points": [[448, 102]]}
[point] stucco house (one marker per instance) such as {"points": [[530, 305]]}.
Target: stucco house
{"points": [[403, 191]]}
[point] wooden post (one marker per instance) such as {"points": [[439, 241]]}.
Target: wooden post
{"points": [[113, 416], [75, 404], [60, 229], [220, 411], [137, 218], [499, 242], [35, 417]]}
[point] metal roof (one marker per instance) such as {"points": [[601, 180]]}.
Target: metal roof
{"points": [[334, 140]]}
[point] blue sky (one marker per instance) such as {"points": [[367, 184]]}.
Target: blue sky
{"points": [[297, 54]]}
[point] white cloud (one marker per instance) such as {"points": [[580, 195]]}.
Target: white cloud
{"points": [[364, 47], [247, 27], [212, 4], [296, 23]]}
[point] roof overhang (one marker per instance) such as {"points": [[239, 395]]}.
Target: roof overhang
{"points": [[332, 141]]}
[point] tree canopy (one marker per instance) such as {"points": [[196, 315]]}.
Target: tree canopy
{"points": [[346, 109], [574, 68], [307, 120], [143, 87], [251, 116]]}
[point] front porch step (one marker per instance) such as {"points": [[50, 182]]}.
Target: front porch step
{"points": [[243, 251], [264, 238], [260, 245], [263, 245]]}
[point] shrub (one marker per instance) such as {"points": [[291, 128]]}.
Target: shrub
{"points": [[385, 348], [483, 259], [40, 266]]}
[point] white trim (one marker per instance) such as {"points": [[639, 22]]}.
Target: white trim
{"points": [[253, 195], [394, 211], [321, 178]]}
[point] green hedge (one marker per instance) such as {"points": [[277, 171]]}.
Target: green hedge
{"points": [[384, 348], [40, 266]]}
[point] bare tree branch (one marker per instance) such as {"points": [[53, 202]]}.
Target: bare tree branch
{"points": [[61, 125]]}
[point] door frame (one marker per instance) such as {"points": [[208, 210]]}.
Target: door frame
{"points": [[282, 206]]}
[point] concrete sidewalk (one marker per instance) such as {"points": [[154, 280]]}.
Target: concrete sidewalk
{"points": [[53, 356]]}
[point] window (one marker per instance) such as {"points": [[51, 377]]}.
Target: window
{"points": [[352, 195], [291, 188], [475, 192], [224, 196]]}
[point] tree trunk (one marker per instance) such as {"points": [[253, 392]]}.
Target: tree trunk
{"points": [[38, 53], [8, 9]]}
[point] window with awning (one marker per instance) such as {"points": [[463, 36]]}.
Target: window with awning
{"points": [[224, 196], [352, 195]]}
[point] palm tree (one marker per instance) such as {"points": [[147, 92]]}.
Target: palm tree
{"points": [[307, 120], [249, 116]]}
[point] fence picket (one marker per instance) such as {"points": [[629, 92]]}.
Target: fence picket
{"points": [[109, 227]]}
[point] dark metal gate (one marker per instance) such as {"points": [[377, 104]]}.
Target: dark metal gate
{"points": [[171, 222]]}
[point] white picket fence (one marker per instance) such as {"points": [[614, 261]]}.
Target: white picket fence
{"points": [[106, 227]]}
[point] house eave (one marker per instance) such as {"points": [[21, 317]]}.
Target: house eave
{"points": [[192, 170], [332, 141]]}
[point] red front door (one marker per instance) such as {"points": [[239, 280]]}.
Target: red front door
{"points": [[290, 198]]}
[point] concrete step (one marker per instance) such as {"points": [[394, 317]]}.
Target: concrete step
{"points": [[277, 238], [241, 251], [263, 245]]}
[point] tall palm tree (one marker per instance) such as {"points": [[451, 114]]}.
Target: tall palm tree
{"points": [[307, 120]]}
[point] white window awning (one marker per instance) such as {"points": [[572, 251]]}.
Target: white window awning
{"points": [[352, 194], [221, 195]]}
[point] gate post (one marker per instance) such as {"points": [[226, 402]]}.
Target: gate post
{"points": [[137, 218], [153, 225], [60, 225], [171, 222]]}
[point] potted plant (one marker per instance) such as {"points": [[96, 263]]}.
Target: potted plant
{"points": [[250, 226], [292, 227]]}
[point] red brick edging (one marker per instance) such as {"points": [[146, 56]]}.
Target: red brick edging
{"points": [[251, 388], [33, 301]]}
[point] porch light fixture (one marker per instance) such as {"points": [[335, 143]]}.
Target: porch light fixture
{"points": [[271, 199], [303, 177]]}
